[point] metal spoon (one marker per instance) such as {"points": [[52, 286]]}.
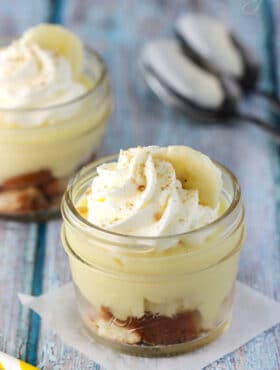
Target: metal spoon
{"points": [[214, 47], [181, 83]]}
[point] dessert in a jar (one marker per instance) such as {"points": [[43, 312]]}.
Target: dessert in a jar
{"points": [[153, 238], [55, 101]]}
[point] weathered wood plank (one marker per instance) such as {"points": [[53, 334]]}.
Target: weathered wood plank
{"points": [[251, 161], [17, 241], [119, 29], [17, 255], [17, 15]]}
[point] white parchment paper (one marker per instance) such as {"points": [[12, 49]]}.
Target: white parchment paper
{"points": [[253, 313]]}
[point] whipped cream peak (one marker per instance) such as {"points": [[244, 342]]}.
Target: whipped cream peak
{"points": [[33, 77], [140, 195]]}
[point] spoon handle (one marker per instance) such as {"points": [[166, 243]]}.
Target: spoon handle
{"points": [[263, 124], [271, 97]]}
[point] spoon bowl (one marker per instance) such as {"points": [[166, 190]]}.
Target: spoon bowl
{"points": [[213, 46], [168, 80]]}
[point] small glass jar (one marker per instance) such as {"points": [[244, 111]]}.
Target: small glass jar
{"points": [[37, 162], [145, 301]]}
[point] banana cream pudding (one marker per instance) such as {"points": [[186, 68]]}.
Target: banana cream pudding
{"points": [[153, 238], [55, 101]]}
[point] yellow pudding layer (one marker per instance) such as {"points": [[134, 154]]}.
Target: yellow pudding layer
{"points": [[188, 276], [59, 149]]}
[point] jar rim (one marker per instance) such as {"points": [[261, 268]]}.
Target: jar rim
{"points": [[101, 77], [83, 222]]}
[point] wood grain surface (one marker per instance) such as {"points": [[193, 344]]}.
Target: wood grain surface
{"points": [[33, 260]]}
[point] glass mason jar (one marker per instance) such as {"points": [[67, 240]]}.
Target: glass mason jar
{"points": [[37, 162], [145, 301]]}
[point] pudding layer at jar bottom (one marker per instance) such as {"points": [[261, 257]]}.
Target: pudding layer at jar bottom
{"points": [[164, 297], [36, 163]]}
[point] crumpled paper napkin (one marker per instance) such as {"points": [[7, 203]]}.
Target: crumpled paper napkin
{"points": [[253, 313]]}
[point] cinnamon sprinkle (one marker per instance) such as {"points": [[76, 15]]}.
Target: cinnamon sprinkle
{"points": [[157, 216], [82, 210], [141, 187]]}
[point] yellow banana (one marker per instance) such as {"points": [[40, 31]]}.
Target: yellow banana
{"points": [[59, 40]]}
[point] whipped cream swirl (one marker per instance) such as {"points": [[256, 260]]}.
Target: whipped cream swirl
{"points": [[140, 195], [32, 77]]}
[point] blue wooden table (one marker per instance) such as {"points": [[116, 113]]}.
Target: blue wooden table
{"points": [[32, 258]]}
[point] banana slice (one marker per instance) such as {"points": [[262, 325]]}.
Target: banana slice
{"points": [[195, 171], [59, 40]]}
